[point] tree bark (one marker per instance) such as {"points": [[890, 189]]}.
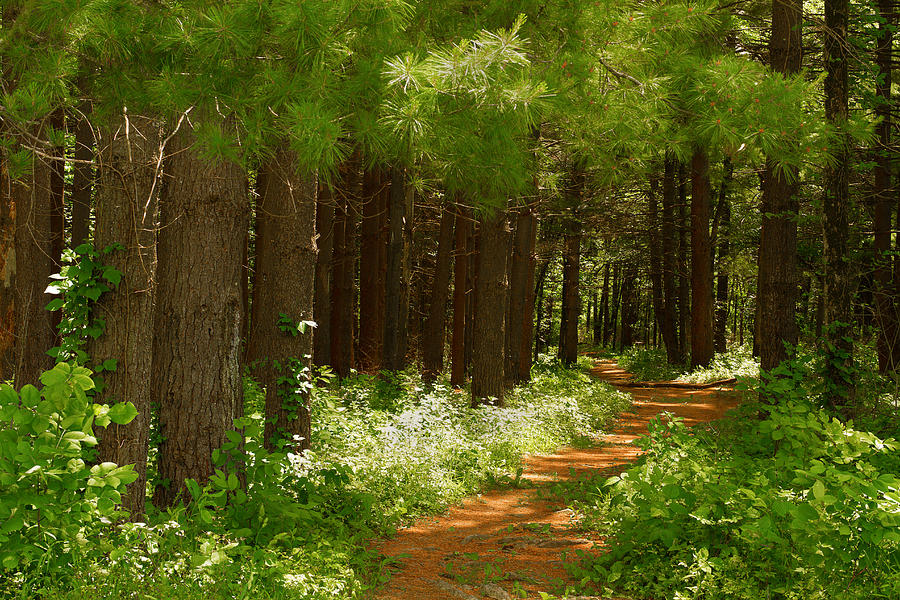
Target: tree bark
{"points": [[701, 263], [372, 271], [324, 261], [285, 279], [7, 273], [461, 269], [684, 281], [197, 343], [127, 215], [571, 303], [34, 332], [885, 295], [82, 178], [490, 310], [602, 309], [777, 287], [719, 338], [654, 234], [629, 306], [840, 379], [539, 307], [433, 338], [396, 287], [518, 298], [343, 314], [669, 247], [613, 323]]}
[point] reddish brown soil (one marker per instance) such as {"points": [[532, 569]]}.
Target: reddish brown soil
{"points": [[514, 539]]}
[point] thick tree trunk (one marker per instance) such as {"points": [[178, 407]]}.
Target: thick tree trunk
{"points": [[602, 309], [343, 313], [372, 270], [539, 340], [284, 284], [656, 259], [324, 261], [518, 297], [613, 323], [461, 270], [396, 286], [724, 210], [629, 306], [34, 332], [530, 296], [840, 379], [433, 335], [684, 277], [701, 263], [777, 287], [126, 215], [490, 310], [7, 273], [669, 250], [571, 303], [197, 343], [82, 178], [885, 296]]}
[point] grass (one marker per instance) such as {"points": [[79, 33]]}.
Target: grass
{"points": [[388, 450]]}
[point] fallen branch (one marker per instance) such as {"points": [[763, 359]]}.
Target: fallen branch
{"points": [[675, 384]]}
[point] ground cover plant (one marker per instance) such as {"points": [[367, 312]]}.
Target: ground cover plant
{"points": [[784, 500], [288, 525], [649, 364]]}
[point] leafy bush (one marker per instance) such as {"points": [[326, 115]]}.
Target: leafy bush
{"points": [[53, 502], [286, 525], [795, 505], [649, 364]]}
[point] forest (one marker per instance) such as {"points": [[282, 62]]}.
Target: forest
{"points": [[283, 282]]}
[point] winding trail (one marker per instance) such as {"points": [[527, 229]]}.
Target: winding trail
{"points": [[508, 541]]}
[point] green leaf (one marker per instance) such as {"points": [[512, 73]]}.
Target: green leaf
{"points": [[818, 489], [110, 364], [56, 375], [30, 395], [14, 523], [122, 413], [114, 276]]}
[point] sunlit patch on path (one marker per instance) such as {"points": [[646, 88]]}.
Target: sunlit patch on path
{"points": [[509, 541]]}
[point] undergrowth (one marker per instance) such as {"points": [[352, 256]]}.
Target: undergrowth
{"points": [[782, 501], [388, 449], [649, 364]]}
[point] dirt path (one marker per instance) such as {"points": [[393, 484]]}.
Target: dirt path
{"points": [[509, 541]]}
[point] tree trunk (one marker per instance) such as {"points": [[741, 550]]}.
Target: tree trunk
{"points": [[684, 287], [372, 271], [433, 338], [719, 338], [613, 324], [197, 343], [518, 298], [840, 379], [530, 294], [669, 250], [460, 288], [343, 314], [7, 273], [33, 206], [571, 303], [490, 310], [324, 261], [777, 287], [629, 307], [82, 178], [472, 249], [701, 263], [396, 287], [600, 319], [885, 295], [283, 298], [539, 306], [126, 215], [656, 258]]}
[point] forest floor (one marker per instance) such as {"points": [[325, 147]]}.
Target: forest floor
{"points": [[513, 542]]}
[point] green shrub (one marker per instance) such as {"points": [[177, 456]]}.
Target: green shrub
{"points": [[53, 503], [795, 505]]}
